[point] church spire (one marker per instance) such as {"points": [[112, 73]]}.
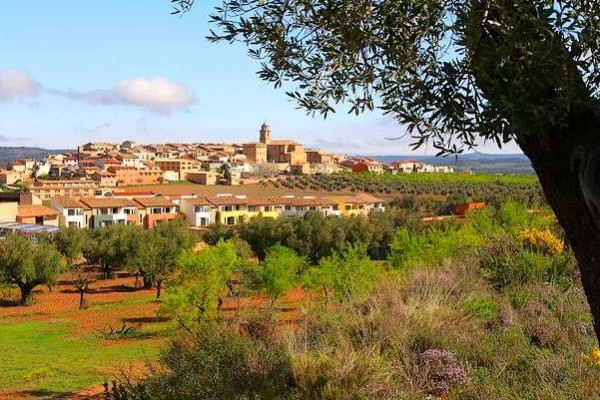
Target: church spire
{"points": [[265, 133]]}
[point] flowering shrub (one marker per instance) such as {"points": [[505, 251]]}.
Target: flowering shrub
{"points": [[443, 371], [594, 357], [542, 240]]}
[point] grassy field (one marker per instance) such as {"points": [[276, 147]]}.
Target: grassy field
{"points": [[53, 350], [46, 357]]}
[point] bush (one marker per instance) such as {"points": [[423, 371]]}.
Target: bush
{"points": [[508, 263], [542, 240], [481, 307], [218, 363]]}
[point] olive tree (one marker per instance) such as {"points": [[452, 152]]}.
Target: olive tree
{"points": [[156, 254], [453, 72], [70, 242], [27, 265]]}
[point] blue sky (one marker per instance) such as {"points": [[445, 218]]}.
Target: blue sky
{"points": [[73, 71]]}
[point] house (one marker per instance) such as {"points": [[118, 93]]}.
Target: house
{"points": [[72, 212], [105, 178], [198, 211], [155, 210], [291, 205], [230, 209], [180, 166], [37, 214], [130, 160], [202, 177], [361, 204], [109, 211], [9, 206], [10, 177]]}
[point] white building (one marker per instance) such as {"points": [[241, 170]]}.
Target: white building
{"points": [[71, 211], [197, 211]]}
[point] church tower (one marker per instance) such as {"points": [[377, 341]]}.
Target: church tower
{"points": [[265, 134]]}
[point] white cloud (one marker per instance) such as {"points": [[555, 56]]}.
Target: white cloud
{"points": [[15, 83], [157, 94]]}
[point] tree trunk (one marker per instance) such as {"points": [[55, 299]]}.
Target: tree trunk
{"points": [[26, 297], [158, 288], [573, 192], [148, 280], [534, 84], [81, 299]]}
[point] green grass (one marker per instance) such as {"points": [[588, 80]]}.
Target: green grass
{"points": [[45, 357]]}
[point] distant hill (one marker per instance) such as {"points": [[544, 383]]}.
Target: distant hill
{"points": [[477, 162], [8, 154]]}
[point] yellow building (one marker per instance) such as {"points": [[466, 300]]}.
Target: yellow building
{"points": [[233, 210]]}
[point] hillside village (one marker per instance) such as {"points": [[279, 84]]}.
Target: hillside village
{"points": [[95, 185]]}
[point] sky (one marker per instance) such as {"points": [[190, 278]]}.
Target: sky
{"points": [[73, 72]]}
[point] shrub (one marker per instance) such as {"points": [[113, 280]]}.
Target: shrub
{"points": [[507, 263], [542, 240], [442, 370], [481, 307], [218, 363]]}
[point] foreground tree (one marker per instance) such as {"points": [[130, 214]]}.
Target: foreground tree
{"points": [[70, 242], [27, 265], [279, 271], [453, 72], [156, 254], [111, 246], [196, 293]]}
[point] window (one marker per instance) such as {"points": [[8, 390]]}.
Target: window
{"points": [[115, 210], [71, 212], [287, 208], [104, 211], [156, 210], [312, 208], [268, 208], [128, 211], [75, 224], [252, 208]]}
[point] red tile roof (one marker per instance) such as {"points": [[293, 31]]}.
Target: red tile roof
{"points": [[36, 211]]}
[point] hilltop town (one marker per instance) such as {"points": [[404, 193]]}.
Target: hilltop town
{"points": [[96, 185]]}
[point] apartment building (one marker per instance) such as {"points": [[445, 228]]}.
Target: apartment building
{"points": [[47, 189], [181, 166], [109, 211], [155, 210], [230, 209], [292, 205], [72, 212], [199, 212], [126, 176]]}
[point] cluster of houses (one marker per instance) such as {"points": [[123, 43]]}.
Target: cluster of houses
{"points": [[26, 213], [94, 167]]}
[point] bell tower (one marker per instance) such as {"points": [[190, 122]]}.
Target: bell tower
{"points": [[265, 134]]}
